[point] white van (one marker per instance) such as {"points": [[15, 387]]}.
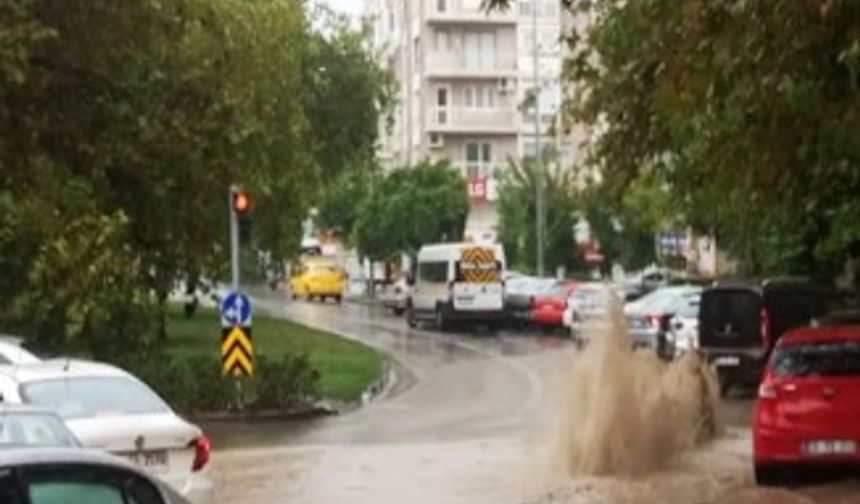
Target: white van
{"points": [[458, 281]]}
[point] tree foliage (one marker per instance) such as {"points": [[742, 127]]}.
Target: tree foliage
{"points": [[748, 111], [409, 207], [517, 216], [122, 127]]}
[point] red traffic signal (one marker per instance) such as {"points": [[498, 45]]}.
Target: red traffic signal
{"points": [[241, 202]]}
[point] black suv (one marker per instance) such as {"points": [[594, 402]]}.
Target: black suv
{"points": [[740, 323]]}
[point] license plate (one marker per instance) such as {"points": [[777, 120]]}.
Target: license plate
{"points": [[728, 361], [829, 447], [150, 459]]}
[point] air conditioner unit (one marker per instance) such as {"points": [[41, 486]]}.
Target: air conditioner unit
{"points": [[506, 85], [437, 141]]}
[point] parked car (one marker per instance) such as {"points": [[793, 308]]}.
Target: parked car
{"points": [[648, 318], [395, 297], [318, 278], [645, 283], [519, 294], [22, 426], [683, 335], [548, 306], [458, 282], [740, 323], [109, 409], [12, 351], [806, 414], [588, 311], [77, 476]]}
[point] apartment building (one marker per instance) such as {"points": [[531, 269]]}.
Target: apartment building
{"points": [[462, 75]]}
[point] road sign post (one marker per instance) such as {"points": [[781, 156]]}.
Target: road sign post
{"points": [[237, 346]]}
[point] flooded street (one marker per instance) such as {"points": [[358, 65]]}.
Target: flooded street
{"points": [[469, 419]]}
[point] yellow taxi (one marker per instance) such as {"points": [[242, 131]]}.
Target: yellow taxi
{"points": [[317, 278]]}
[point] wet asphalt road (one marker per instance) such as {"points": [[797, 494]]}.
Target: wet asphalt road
{"points": [[467, 420]]}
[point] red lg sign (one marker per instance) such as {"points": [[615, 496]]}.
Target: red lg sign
{"points": [[478, 188]]}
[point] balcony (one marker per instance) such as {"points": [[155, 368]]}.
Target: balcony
{"points": [[467, 12], [465, 120], [451, 64]]}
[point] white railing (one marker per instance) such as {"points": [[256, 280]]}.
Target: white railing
{"points": [[461, 62], [467, 9], [479, 119]]}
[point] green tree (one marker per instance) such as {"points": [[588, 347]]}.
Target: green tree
{"points": [[747, 111], [131, 121], [349, 97], [410, 207], [517, 215]]}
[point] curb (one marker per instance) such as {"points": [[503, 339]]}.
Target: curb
{"points": [[243, 416]]}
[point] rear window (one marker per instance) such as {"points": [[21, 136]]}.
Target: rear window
{"points": [[731, 315], [479, 272], [34, 429], [818, 359], [77, 397]]}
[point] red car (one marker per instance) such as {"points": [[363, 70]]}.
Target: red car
{"points": [[808, 409], [547, 308]]}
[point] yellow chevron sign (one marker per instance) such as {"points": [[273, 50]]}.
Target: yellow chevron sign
{"points": [[237, 352], [479, 265]]}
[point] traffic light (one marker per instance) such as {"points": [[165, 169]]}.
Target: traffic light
{"points": [[241, 202]]}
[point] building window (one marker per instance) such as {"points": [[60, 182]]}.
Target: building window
{"points": [[443, 41], [441, 6], [479, 96], [479, 159], [442, 103], [480, 49]]}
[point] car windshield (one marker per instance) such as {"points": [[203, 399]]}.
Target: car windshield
{"points": [[34, 429], [818, 359], [81, 397]]}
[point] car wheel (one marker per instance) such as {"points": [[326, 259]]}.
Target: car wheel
{"points": [[411, 321], [768, 476], [338, 299], [397, 311], [441, 322]]}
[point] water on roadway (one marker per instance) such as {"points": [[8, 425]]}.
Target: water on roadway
{"points": [[468, 421]]}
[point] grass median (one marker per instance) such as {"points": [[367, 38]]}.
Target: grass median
{"points": [[346, 368]]}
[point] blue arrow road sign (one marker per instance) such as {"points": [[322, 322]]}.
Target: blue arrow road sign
{"points": [[236, 310]]}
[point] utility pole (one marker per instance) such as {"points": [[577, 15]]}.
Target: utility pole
{"points": [[540, 211]]}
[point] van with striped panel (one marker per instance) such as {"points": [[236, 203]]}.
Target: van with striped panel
{"points": [[458, 282]]}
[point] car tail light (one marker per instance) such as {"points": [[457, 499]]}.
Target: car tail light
{"points": [[202, 451], [767, 390], [764, 319], [654, 321]]}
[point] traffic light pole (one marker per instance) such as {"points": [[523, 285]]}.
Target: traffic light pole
{"points": [[234, 240]]}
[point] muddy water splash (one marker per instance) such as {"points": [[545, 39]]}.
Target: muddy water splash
{"points": [[627, 412]]}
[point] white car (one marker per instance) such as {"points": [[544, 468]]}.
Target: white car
{"points": [[108, 409], [75, 475], [588, 311], [683, 332], [11, 352], [396, 296]]}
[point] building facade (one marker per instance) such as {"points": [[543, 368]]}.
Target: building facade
{"points": [[462, 77]]}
